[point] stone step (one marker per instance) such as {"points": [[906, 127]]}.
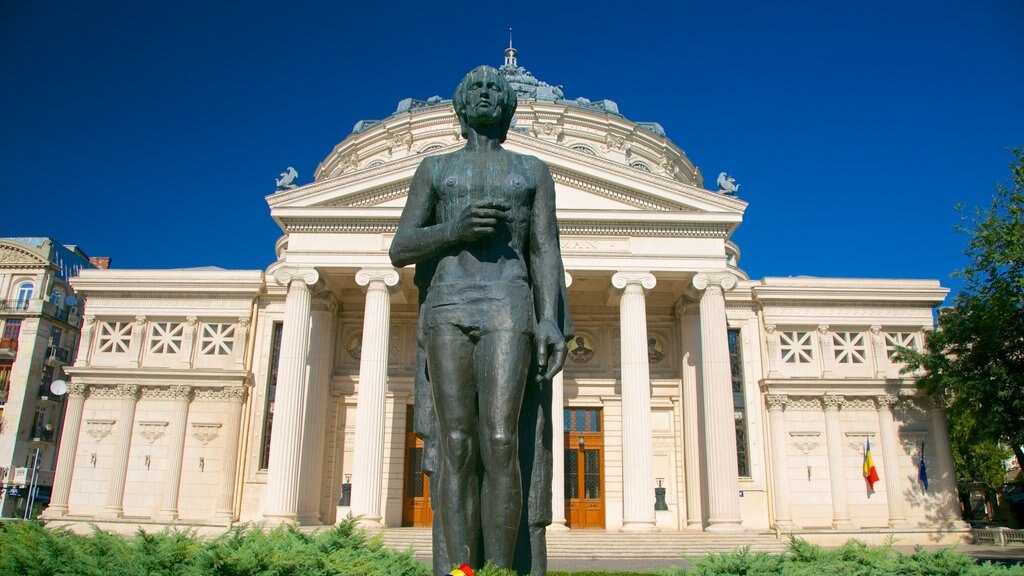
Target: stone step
{"points": [[601, 544]]}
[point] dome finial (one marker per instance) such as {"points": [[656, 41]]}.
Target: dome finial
{"points": [[510, 52]]}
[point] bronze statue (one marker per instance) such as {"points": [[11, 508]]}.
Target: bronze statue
{"points": [[480, 225]]}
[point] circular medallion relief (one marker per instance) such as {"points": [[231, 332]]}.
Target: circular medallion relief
{"points": [[581, 348], [655, 349], [355, 345]]}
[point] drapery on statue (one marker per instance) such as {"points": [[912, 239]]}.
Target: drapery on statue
{"points": [[479, 223], [727, 185], [286, 180]]}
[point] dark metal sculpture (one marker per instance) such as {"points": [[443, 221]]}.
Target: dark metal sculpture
{"points": [[479, 224]]}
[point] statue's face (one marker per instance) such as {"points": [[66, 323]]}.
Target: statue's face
{"points": [[484, 98]]}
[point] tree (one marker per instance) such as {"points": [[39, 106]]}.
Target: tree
{"points": [[975, 358]]}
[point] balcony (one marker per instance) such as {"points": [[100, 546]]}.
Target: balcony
{"points": [[57, 356], [9, 305]]}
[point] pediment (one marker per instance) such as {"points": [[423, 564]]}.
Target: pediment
{"points": [[14, 255], [584, 184]]}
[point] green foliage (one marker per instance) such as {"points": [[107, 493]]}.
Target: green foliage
{"points": [[852, 559], [975, 360], [29, 549]]}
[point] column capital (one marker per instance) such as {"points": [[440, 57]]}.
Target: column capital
{"points": [[704, 280], [126, 391], [76, 389], [180, 392], [823, 329], [833, 401], [285, 276], [646, 280], [776, 401], [387, 276], [886, 401]]}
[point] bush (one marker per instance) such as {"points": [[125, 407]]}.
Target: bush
{"points": [[851, 559], [29, 549]]}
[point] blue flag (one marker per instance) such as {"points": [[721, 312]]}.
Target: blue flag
{"points": [[922, 469]]}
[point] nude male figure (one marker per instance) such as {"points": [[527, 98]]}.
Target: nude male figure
{"points": [[484, 218]]}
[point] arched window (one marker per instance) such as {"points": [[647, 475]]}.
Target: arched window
{"points": [[584, 149], [25, 290], [640, 166]]}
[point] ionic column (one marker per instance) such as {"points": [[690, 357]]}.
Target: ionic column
{"points": [[558, 446], [774, 355], [890, 446], [689, 320], [129, 395], [181, 396], [836, 473], [281, 498], [719, 421], [637, 476], [941, 468], [224, 509], [557, 454], [66, 455], [318, 384], [780, 491], [373, 376], [828, 355]]}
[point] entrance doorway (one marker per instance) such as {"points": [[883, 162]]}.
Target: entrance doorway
{"points": [[416, 510], [584, 467]]}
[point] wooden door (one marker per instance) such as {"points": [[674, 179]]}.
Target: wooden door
{"points": [[416, 510], [584, 468]]}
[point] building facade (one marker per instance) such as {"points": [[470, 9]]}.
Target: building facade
{"points": [[39, 320], [694, 398]]}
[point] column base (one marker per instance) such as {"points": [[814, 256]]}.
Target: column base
{"points": [[786, 526], [725, 526], [112, 513], [369, 521], [54, 512], [166, 516], [638, 526], [695, 525], [225, 518], [558, 526], [900, 523], [843, 524], [278, 519]]}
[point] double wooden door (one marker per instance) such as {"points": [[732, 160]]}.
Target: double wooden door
{"points": [[584, 467], [416, 509]]}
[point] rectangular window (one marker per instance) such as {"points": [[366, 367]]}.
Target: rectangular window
{"points": [[850, 347], [739, 403], [12, 329], [797, 347], [268, 418]]}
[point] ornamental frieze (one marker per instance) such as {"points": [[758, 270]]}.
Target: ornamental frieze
{"points": [[11, 255]]}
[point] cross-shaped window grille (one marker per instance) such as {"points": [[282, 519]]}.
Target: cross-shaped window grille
{"points": [[114, 337], [896, 340], [166, 337], [217, 339], [849, 347], [797, 347]]}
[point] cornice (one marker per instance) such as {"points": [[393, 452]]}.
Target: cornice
{"points": [[101, 375], [801, 291], [147, 283]]}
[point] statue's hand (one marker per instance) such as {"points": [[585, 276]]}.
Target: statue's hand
{"points": [[479, 220], [551, 350]]}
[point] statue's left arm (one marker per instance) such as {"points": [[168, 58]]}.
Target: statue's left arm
{"points": [[546, 275]]}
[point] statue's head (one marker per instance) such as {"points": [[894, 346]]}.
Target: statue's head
{"points": [[485, 83]]}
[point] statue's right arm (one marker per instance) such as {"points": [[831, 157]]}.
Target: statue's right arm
{"points": [[418, 237]]}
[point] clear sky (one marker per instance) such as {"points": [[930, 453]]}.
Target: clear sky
{"points": [[151, 131]]}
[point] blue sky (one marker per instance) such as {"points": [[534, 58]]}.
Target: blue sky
{"points": [[151, 132]]}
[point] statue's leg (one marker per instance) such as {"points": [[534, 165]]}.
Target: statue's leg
{"points": [[502, 362], [450, 361]]}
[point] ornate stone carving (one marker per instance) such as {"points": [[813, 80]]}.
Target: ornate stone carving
{"points": [[805, 442], [76, 389], [803, 403], [99, 429], [859, 404], [645, 280], [833, 401], [776, 401], [285, 276], [152, 430], [713, 281], [205, 432], [614, 142], [11, 255], [886, 401], [225, 394]]}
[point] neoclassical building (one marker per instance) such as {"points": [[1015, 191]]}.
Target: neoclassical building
{"points": [[694, 398]]}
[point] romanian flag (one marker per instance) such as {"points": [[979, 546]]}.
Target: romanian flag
{"points": [[870, 474], [463, 570]]}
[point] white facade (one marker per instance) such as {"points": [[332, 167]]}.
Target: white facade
{"points": [[167, 419]]}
